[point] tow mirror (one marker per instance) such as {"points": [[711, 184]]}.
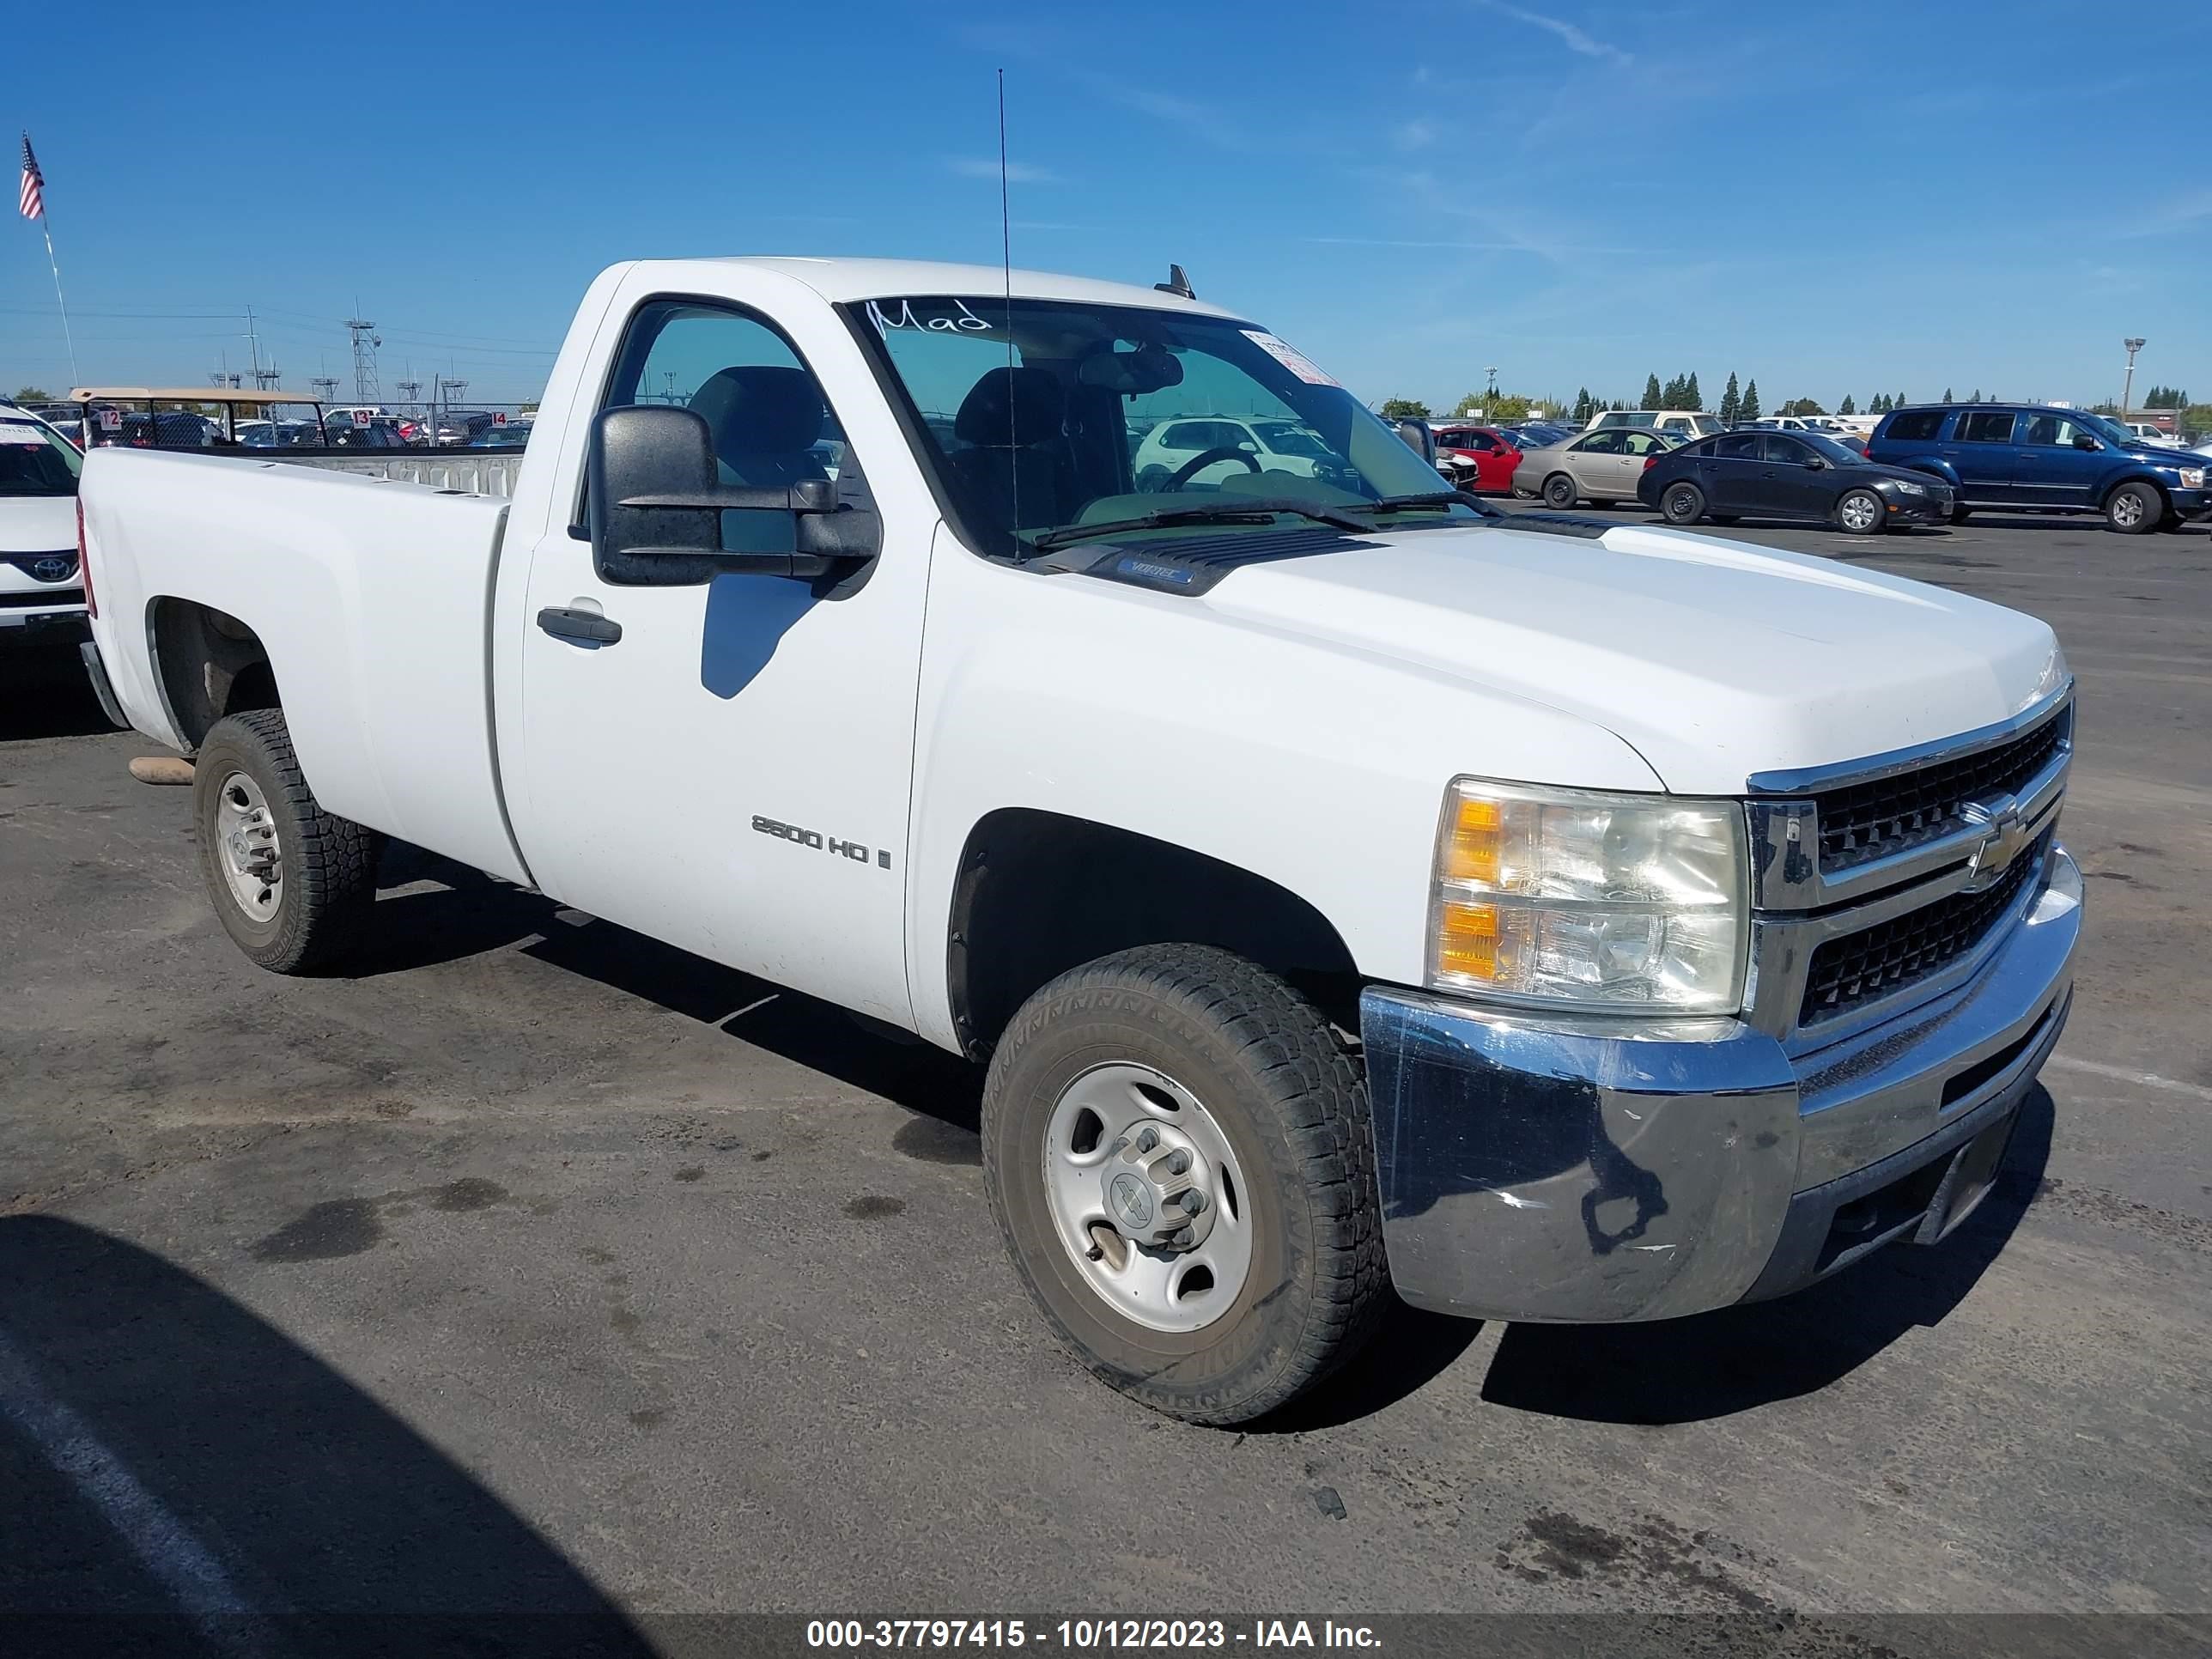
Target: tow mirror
{"points": [[655, 499], [1419, 439]]}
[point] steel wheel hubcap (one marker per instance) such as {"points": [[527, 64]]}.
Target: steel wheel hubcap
{"points": [[252, 860], [1858, 512], [1147, 1197]]}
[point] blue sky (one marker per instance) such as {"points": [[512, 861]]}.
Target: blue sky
{"points": [[1852, 197]]}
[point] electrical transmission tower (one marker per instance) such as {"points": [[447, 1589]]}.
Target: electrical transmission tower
{"points": [[325, 384], [366, 340], [267, 376]]}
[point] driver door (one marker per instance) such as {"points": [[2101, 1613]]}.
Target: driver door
{"points": [[731, 773]]}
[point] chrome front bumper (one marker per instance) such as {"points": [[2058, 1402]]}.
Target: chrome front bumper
{"points": [[1586, 1171]]}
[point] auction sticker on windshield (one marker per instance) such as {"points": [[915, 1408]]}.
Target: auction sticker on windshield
{"points": [[22, 432], [1290, 358]]}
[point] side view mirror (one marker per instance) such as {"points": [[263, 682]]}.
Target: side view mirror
{"points": [[2083, 441], [655, 501], [1814, 463], [1419, 439]]}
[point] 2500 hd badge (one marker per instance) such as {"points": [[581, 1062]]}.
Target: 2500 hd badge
{"points": [[855, 850]]}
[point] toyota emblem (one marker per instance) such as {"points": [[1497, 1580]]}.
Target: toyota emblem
{"points": [[53, 568]]}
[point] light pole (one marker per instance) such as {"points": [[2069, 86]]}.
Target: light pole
{"points": [[2128, 391]]}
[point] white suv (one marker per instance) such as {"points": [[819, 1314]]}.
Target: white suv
{"points": [[39, 581], [1271, 445], [1681, 423]]}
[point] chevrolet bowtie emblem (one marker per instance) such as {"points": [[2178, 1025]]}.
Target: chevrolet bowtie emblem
{"points": [[2004, 833]]}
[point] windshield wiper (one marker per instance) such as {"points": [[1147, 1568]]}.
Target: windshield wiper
{"points": [[1258, 510], [1431, 498]]}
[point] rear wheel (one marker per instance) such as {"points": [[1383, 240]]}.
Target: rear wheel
{"points": [[1683, 503], [2133, 509], [1559, 491], [292, 884], [1860, 512], [1177, 1149]]}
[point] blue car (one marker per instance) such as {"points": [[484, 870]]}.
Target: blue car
{"points": [[2026, 458]]}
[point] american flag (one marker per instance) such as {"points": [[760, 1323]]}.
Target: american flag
{"points": [[35, 183]]}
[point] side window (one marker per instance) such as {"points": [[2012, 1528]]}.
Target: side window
{"points": [[2049, 429], [1737, 446], [1483, 442], [1646, 443], [771, 424], [1606, 442], [1915, 426], [1985, 426], [1787, 452]]}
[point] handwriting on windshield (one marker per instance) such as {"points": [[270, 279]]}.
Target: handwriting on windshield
{"points": [[958, 320]]}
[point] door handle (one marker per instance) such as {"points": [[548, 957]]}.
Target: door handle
{"points": [[587, 627]]}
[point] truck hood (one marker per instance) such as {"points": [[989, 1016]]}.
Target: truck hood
{"points": [[1715, 659], [38, 523]]}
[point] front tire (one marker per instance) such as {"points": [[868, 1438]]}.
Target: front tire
{"points": [[1559, 491], [1101, 1081], [292, 884], [1683, 503], [1861, 513], [2134, 509]]}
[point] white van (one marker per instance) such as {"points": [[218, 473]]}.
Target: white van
{"points": [[1687, 423]]}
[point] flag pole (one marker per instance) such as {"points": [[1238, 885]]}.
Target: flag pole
{"points": [[33, 204], [46, 225]]}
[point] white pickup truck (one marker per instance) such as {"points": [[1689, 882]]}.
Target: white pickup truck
{"points": [[1350, 887]]}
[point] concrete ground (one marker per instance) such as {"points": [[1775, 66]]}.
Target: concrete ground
{"points": [[541, 1266]]}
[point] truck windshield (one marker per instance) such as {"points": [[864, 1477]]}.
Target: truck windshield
{"points": [[35, 462], [1054, 413]]}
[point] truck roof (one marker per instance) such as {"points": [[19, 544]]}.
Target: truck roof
{"points": [[841, 280]]}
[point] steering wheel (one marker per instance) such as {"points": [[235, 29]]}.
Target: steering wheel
{"points": [[1205, 458]]}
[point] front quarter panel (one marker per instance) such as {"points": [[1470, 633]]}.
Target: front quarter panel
{"points": [[1321, 768]]}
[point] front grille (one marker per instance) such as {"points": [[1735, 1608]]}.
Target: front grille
{"points": [[1890, 956], [1864, 821]]}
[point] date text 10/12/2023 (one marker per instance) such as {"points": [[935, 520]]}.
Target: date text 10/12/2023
{"points": [[1083, 1635]]}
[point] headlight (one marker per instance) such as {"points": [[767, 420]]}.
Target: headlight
{"points": [[1574, 899], [1900, 486], [2192, 477]]}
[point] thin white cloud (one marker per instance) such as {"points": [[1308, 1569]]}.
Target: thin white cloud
{"points": [[1575, 39], [987, 167], [1415, 134]]}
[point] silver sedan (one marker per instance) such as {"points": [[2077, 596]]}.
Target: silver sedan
{"points": [[1599, 467]]}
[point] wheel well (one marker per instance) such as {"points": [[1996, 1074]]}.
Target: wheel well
{"points": [[1039, 893], [2157, 489], [209, 664]]}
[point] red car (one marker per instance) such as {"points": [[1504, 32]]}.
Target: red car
{"points": [[1488, 450]]}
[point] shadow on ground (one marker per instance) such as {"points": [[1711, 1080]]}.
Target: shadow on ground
{"points": [[1715, 1365], [44, 692], [466, 913], [182, 1478]]}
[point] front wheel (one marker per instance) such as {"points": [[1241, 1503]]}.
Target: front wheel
{"points": [[2133, 509], [1860, 512], [1177, 1149], [1683, 503], [1559, 491], [292, 884]]}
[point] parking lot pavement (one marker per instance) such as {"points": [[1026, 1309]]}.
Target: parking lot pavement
{"points": [[539, 1265]]}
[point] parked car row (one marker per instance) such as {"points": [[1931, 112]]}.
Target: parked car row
{"points": [[1927, 463]]}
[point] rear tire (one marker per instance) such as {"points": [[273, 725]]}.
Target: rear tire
{"points": [[1259, 1067], [1861, 513], [2134, 509], [1683, 503], [1559, 492], [292, 884]]}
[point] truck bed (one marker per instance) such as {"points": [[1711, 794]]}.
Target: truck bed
{"points": [[373, 598]]}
